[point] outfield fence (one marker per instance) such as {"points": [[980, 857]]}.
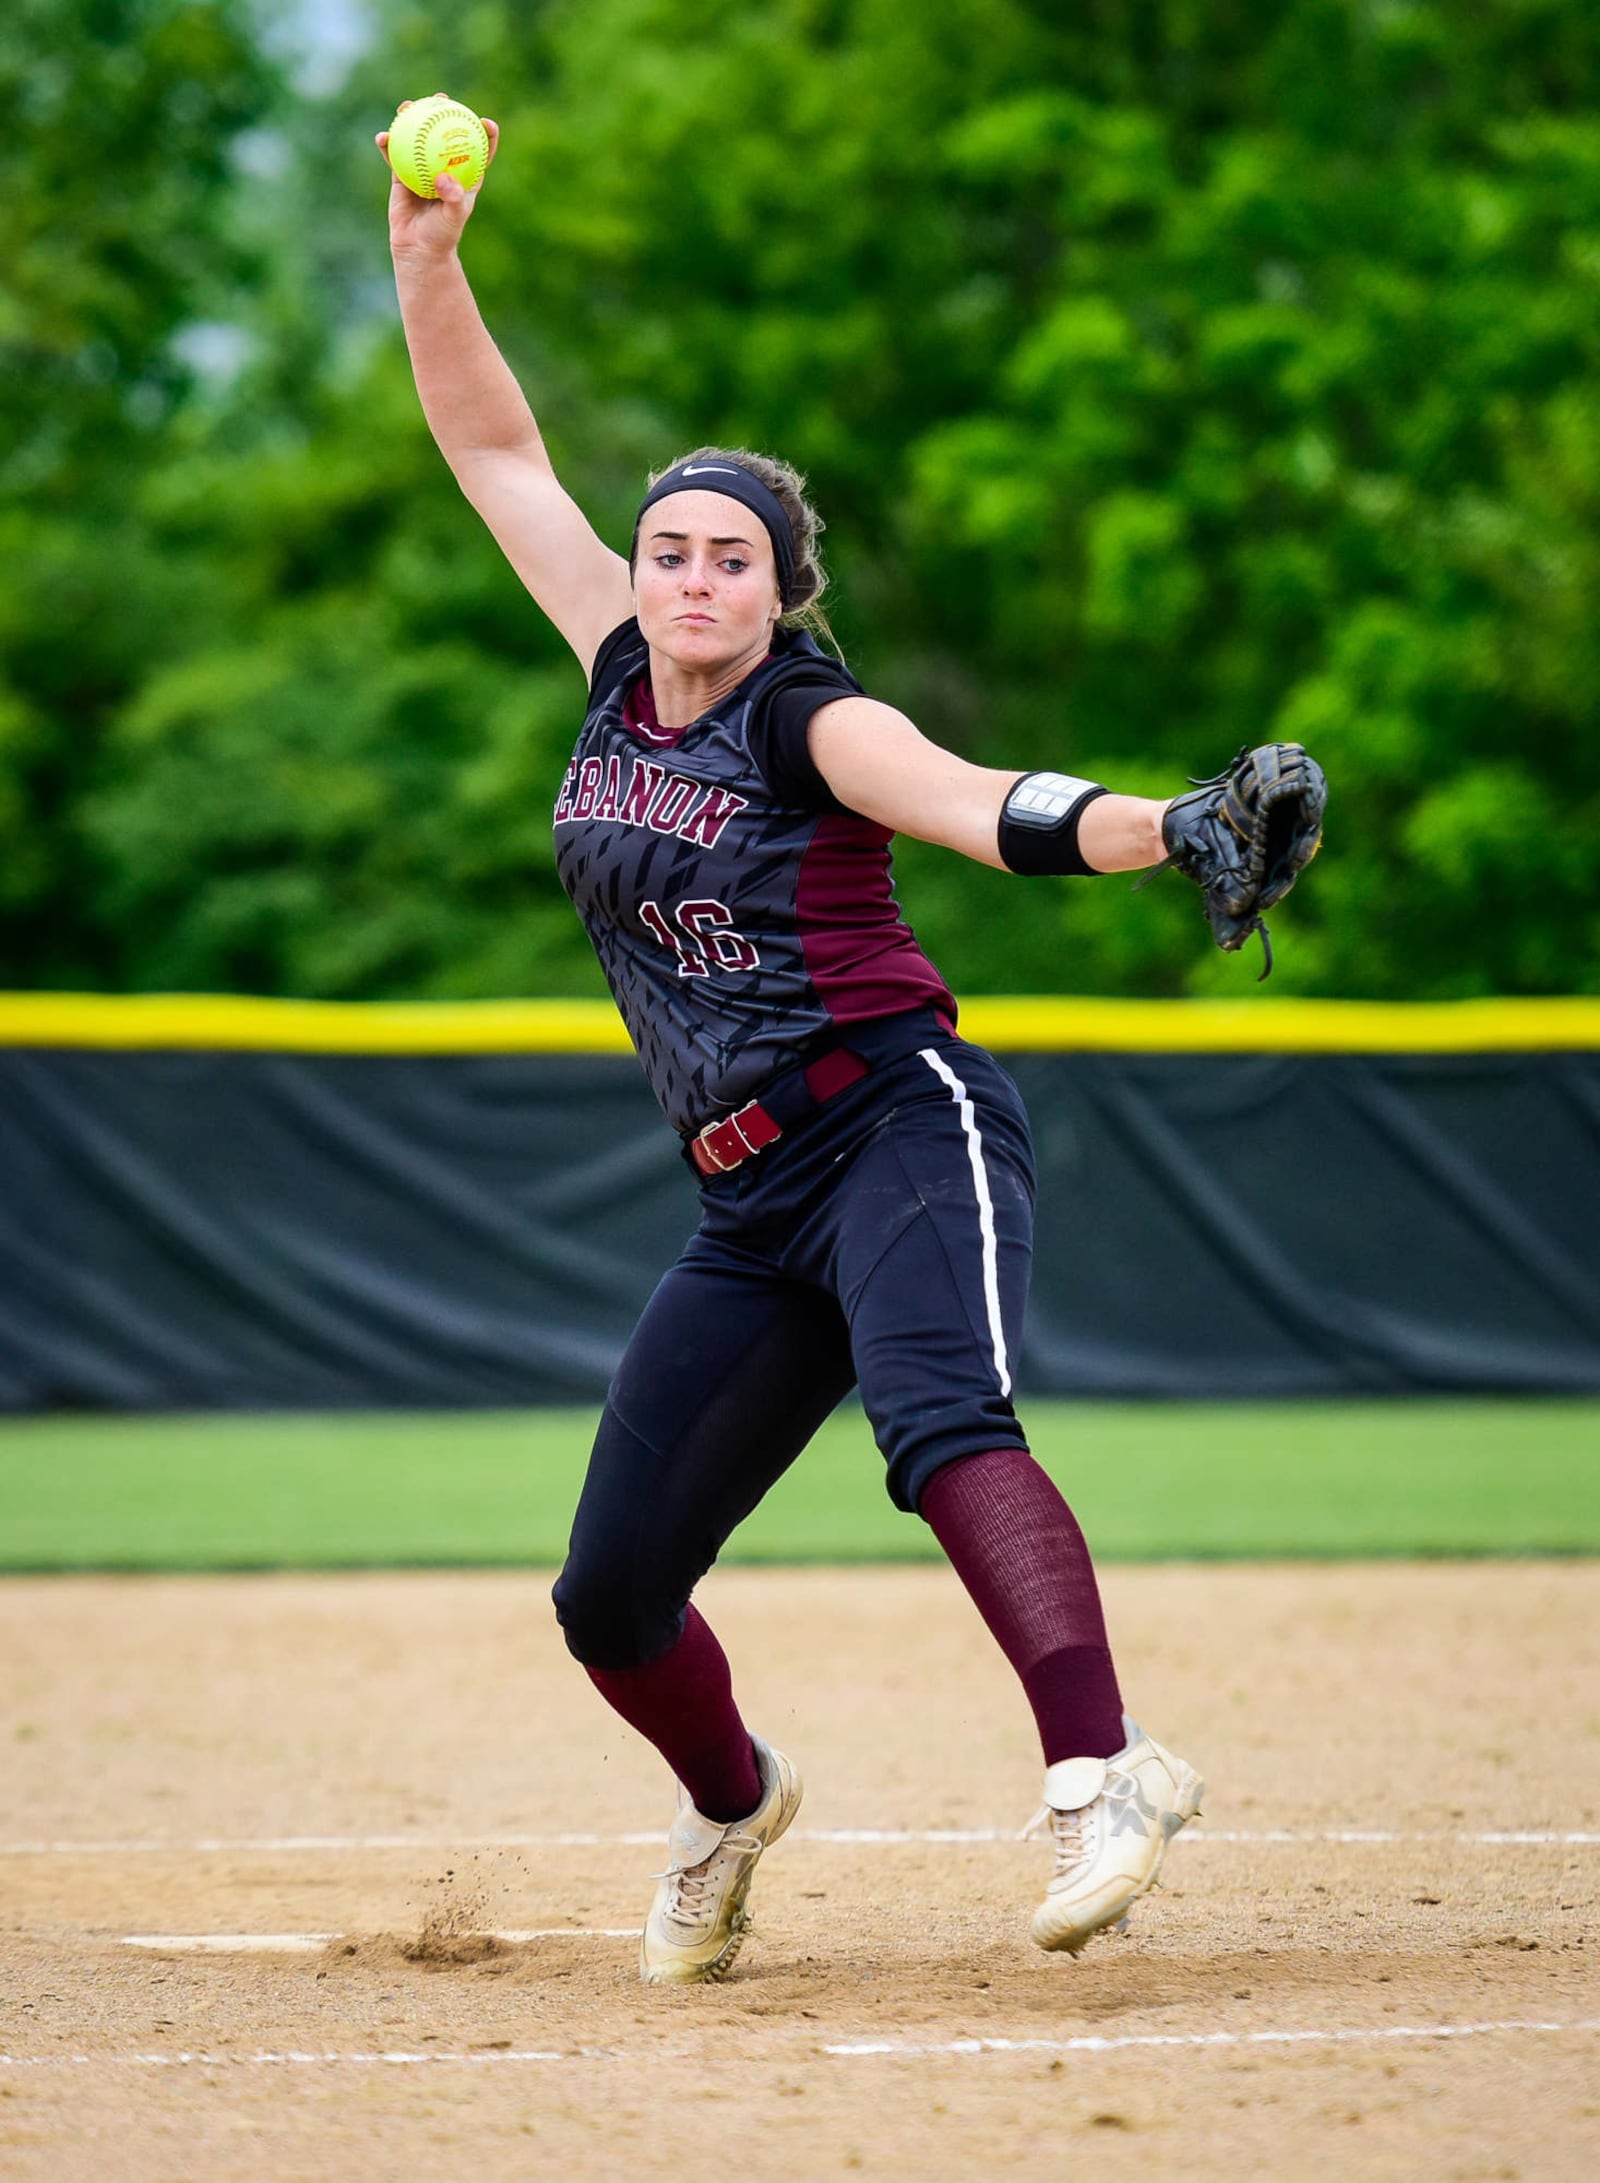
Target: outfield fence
{"points": [[210, 1202]]}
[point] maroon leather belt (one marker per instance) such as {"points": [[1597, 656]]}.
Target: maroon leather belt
{"points": [[728, 1143]]}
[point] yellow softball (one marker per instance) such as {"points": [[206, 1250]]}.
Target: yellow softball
{"points": [[438, 136]]}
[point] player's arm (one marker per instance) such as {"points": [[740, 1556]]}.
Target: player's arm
{"points": [[484, 428], [879, 763]]}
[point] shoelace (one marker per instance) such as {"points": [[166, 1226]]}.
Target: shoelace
{"points": [[686, 1901], [686, 1904], [1071, 1831]]}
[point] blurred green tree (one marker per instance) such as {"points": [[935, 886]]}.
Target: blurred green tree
{"points": [[1171, 375], [125, 116]]}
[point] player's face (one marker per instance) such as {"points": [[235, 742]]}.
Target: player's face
{"points": [[705, 586]]}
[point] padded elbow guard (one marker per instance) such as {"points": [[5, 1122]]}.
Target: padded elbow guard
{"points": [[1039, 824]]}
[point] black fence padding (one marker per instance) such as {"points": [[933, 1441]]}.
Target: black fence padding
{"points": [[270, 1231]]}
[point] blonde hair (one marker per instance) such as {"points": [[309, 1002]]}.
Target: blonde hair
{"points": [[805, 609]]}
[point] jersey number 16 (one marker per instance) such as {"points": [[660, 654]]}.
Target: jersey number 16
{"points": [[702, 927]]}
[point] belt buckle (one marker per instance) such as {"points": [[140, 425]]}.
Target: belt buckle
{"points": [[706, 1139], [704, 1144]]}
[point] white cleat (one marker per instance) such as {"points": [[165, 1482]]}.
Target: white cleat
{"points": [[1112, 1820], [698, 1920]]}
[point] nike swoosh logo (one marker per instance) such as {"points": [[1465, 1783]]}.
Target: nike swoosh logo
{"points": [[707, 469]]}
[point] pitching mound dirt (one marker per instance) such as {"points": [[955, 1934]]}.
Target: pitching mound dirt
{"points": [[384, 1857]]}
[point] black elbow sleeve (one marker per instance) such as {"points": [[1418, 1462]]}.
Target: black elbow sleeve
{"points": [[1039, 824]]}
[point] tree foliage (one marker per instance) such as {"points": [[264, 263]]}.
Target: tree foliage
{"points": [[1171, 375], [119, 233]]}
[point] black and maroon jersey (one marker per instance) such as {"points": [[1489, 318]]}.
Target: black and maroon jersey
{"points": [[740, 913]]}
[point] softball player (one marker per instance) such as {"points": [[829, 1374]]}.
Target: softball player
{"points": [[865, 1175]]}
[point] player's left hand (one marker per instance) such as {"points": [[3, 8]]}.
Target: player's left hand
{"points": [[1245, 837]]}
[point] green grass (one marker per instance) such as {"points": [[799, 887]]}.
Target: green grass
{"points": [[1149, 1481]]}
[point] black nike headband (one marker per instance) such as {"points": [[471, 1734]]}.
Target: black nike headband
{"points": [[740, 484]]}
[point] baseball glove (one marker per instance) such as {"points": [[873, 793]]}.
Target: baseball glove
{"points": [[1245, 837]]}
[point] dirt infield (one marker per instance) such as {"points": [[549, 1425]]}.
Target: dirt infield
{"points": [[1375, 1957]]}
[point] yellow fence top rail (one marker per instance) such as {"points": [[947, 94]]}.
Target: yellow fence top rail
{"points": [[218, 1022]]}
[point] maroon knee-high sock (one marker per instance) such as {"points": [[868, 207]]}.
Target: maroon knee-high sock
{"points": [[1017, 1548], [683, 1704]]}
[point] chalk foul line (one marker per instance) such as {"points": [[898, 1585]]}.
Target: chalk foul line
{"points": [[233, 1944], [305, 1944], [275, 1845], [1098, 2043], [1089, 2043]]}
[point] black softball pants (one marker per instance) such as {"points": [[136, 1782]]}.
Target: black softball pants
{"points": [[885, 1242]]}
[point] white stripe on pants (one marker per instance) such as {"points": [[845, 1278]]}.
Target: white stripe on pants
{"points": [[980, 1183]]}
